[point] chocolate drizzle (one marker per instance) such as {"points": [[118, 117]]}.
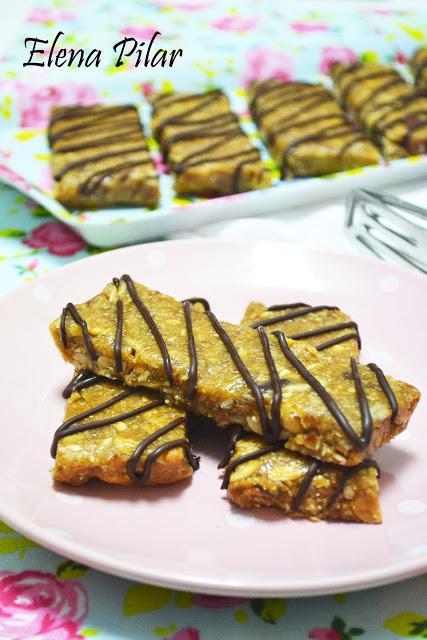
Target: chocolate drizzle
{"points": [[360, 443], [245, 373], [388, 391], [192, 352], [81, 380], [328, 329], [315, 467], [338, 340], [276, 384], [152, 326], [290, 316], [71, 310]]}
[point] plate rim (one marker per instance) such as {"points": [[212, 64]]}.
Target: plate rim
{"points": [[210, 585]]}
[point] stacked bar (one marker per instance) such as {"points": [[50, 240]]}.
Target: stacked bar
{"points": [[306, 131], [204, 146], [393, 112], [300, 400], [119, 435], [100, 158]]}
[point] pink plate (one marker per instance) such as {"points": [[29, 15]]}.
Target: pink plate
{"points": [[189, 536]]}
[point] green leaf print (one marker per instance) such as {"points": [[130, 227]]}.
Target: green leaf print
{"points": [[70, 570], [16, 544], [143, 598], [338, 625], [12, 233], [270, 610], [4, 528], [408, 624]]}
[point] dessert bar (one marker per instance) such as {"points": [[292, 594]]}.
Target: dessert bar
{"points": [[330, 408], [306, 131], [100, 157], [260, 475], [204, 146], [393, 112], [119, 435]]}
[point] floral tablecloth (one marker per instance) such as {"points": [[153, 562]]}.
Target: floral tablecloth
{"points": [[44, 596]]}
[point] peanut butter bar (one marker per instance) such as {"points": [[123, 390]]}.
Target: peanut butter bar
{"points": [[393, 112], [203, 144], [326, 407], [100, 158], [418, 64], [306, 131], [260, 475], [323, 327], [120, 435]]}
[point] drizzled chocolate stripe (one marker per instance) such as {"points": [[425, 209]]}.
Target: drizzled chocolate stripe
{"points": [[276, 131], [192, 352], [81, 380], [292, 305], [365, 412], [388, 391], [290, 316], [328, 329], [245, 458], [276, 384], [338, 340], [171, 98], [359, 443], [180, 167], [167, 364], [107, 140], [201, 301], [245, 373], [313, 470], [71, 310], [238, 434]]}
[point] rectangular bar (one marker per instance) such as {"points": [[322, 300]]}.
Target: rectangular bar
{"points": [[393, 112], [100, 158], [306, 131], [203, 144], [120, 435], [302, 487], [331, 409], [324, 327]]}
